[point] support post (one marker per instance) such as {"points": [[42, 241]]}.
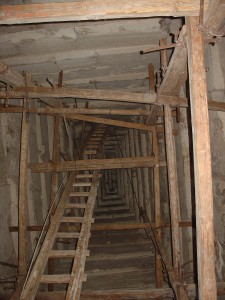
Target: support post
{"points": [[202, 163], [54, 185], [158, 221], [22, 200], [173, 188]]}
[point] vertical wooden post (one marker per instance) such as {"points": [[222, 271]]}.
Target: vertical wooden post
{"points": [[173, 187], [158, 266], [54, 174], [54, 186], [163, 56], [22, 199], [202, 163], [151, 78]]}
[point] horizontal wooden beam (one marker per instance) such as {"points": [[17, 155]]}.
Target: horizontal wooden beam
{"points": [[68, 112], [112, 122], [103, 227], [113, 295], [71, 111], [94, 164], [79, 10], [91, 94]]}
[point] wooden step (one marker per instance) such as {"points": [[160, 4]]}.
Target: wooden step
{"points": [[77, 184], [111, 208], [65, 253], [79, 194], [68, 235], [84, 175], [74, 220], [76, 205], [115, 216], [59, 278], [62, 253], [90, 152]]}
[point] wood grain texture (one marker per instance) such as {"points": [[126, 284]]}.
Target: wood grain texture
{"points": [[202, 163], [22, 197], [173, 187], [95, 10], [95, 164]]}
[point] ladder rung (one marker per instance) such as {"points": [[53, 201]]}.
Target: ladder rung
{"points": [[62, 253], [76, 205], [72, 220], [82, 184], [84, 175], [90, 152], [68, 235], [75, 220], [79, 194], [65, 253], [59, 278]]}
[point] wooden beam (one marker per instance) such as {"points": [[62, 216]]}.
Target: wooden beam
{"points": [[77, 11], [90, 94], [103, 227], [22, 197], [13, 78], [114, 95], [112, 122], [10, 76], [94, 164], [176, 72], [202, 163], [214, 18], [54, 185], [158, 221], [173, 188], [69, 112]]}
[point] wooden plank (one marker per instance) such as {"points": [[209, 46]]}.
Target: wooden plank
{"points": [[59, 278], [90, 94], [77, 11], [10, 76], [176, 73], [13, 78], [158, 221], [202, 164], [212, 105], [22, 197], [214, 18], [173, 188], [53, 190], [112, 122], [95, 164], [99, 227]]}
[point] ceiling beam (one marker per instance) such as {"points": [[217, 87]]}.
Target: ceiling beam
{"points": [[94, 164], [94, 10], [91, 94]]}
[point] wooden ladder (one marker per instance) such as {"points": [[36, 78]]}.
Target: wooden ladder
{"points": [[79, 205]]}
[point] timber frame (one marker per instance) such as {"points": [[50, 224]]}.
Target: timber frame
{"points": [[163, 101]]}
